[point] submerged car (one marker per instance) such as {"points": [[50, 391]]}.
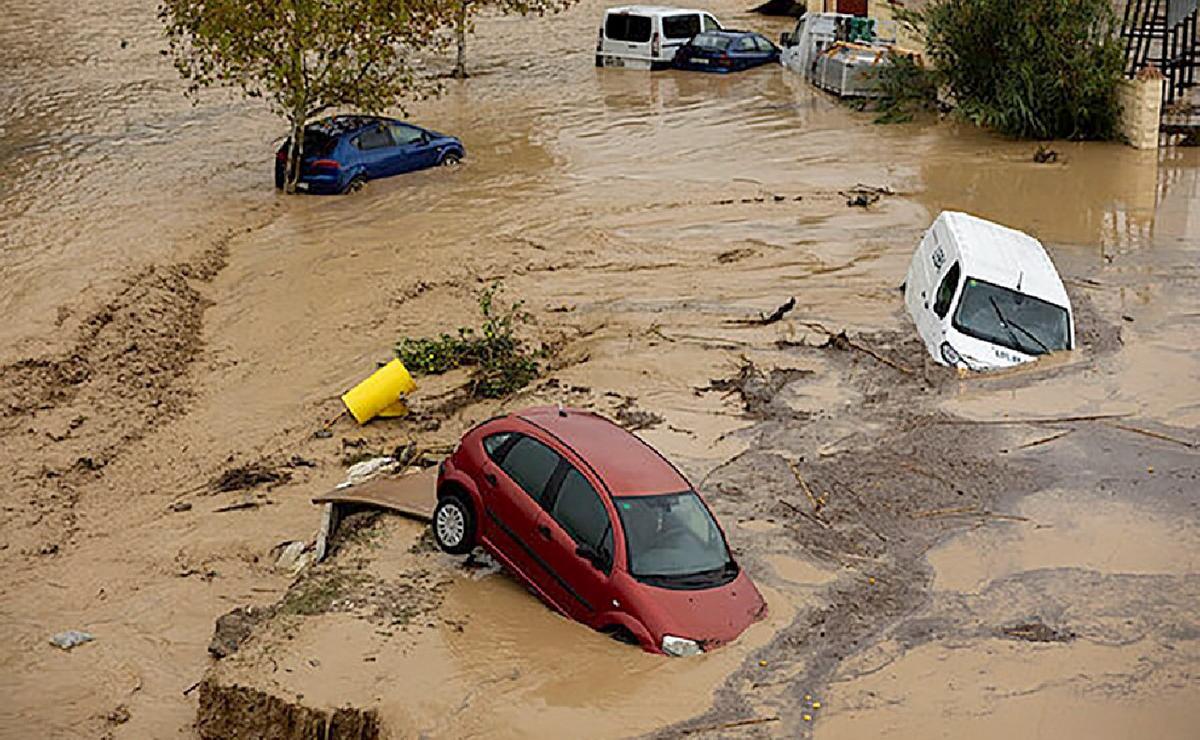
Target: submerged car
{"points": [[646, 36], [726, 51], [342, 153], [984, 296], [599, 525]]}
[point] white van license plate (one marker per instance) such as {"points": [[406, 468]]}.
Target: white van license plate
{"points": [[614, 62]]}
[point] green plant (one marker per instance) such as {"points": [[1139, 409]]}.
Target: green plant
{"points": [[502, 363], [907, 88], [305, 57], [1037, 69]]}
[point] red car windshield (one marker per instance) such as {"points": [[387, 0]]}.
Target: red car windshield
{"points": [[673, 541]]}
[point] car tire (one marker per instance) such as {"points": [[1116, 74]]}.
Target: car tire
{"points": [[357, 183], [450, 159], [599, 61], [454, 524]]}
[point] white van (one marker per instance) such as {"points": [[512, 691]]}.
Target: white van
{"points": [[647, 37], [984, 296]]}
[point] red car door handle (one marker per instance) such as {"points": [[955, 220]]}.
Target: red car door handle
{"points": [[491, 479], [544, 531]]}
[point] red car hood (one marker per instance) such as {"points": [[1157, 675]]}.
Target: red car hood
{"points": [[711, 617]]}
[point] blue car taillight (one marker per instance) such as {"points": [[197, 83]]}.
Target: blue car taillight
{"points": [[326, 164]]}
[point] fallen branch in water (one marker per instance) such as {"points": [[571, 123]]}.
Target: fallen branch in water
{"points": [[817, 503], [765, 319], [1044, 440], [730, 725], [840, 340], [815, 519], [1156, 435], [1049, 420], [954, 511]]}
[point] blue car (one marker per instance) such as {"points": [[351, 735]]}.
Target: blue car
{"points": [[725, 51], [343, 152]]}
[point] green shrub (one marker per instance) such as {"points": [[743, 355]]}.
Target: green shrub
{"points": [[908, 89], [1037, 69], [502, 363]]}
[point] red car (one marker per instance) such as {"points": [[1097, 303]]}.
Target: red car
{"points": [[599, 525]]}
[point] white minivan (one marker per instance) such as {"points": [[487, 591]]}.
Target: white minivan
{"points": [[646, 36], [984, 296]]}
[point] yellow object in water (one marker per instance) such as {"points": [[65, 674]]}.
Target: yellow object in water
{"points": [[381, 394]]}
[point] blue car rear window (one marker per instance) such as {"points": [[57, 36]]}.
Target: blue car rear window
{"points": [[706, 41], [317, 144]]}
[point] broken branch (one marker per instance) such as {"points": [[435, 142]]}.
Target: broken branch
{"points": [[1156, 435], [730, 725]]}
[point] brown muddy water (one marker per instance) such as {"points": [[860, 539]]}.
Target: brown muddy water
{"points": [[169, 316]]}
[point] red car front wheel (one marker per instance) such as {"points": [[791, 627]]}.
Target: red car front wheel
{"points": [[454, 524]]}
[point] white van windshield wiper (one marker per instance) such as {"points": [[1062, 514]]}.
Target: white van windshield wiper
{"points": [[1009, 326]]}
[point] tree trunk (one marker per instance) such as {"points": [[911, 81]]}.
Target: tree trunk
{"points": [[291, 173], [460, 38]]}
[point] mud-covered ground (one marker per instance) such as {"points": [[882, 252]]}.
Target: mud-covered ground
{"points": [[1011, 555]]}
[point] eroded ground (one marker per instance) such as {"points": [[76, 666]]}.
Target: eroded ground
{"points": [[954, 572]]}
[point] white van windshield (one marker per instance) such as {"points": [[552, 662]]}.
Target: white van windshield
{"points": [[625, 27], [1011, 319], [681, 26]]}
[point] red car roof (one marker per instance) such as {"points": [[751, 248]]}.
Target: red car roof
{"points": [[626, 464]]}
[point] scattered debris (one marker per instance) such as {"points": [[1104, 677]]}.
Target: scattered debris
{"points": [[1045, 155], [864, 196], [735, 255], [368, 469], [233, 628], [634, 419], [757, 388], [180, 506], [1037, 632], [245, 504], [71, 638], [292, 557], [118, 716], [840, 341], [250, 475]]}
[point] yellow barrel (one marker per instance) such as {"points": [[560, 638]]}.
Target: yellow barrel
{"points": [[380, 394]]}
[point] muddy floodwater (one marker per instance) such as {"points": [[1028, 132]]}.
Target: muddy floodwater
{"points": [[1016, 555]]}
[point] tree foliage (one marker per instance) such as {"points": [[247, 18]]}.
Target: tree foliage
{"points": [[1030, 68], [305, 57], [465, 12]]}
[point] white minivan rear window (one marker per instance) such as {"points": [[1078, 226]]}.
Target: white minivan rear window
{"points": [[681, 26], [625, 27]]}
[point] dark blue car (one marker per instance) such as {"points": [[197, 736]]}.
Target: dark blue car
{"points": [[344, 152], [725, 51]]}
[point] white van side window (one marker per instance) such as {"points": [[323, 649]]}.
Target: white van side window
{"points": [[710, 23], [946, 291], [625, 27], [681, 26]]}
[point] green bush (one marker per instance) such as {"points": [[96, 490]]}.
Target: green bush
{"points": [[907, 89], [1038, 69], [502, 362]]}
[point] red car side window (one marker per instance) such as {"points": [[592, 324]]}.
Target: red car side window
{"points": [[530, 464], [579, 511]]}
